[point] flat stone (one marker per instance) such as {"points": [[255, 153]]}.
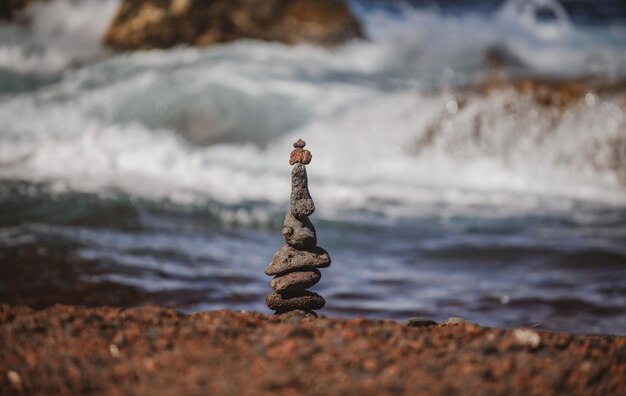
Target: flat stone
{"points": [[303, 300], [288, 259], [301, 202], [299, 233], [300, 156], [299, 143], [420, 322], [298, 280]]}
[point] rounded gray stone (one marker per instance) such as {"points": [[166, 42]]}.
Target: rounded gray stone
{"points": [[299, 233], [289, 259], [302, 300], [297, 280], [302, 204]]}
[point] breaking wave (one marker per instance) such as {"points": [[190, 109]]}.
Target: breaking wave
{"points": [[388, 123]]}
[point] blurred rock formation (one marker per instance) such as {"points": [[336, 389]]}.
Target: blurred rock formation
{"points": [[146, 24]]}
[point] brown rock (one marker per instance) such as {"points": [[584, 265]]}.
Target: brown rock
{"points": [[299, 233], [298, 280], [144, 24], [289, 259], [300, 156], [302, 204], [303, 300], [299, 143]]}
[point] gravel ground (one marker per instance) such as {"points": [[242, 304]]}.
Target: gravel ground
{"points": [[150, 350]]}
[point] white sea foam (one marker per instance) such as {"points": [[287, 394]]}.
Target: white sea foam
{"points": [[216, 124], [397, 149], [56, 35]]}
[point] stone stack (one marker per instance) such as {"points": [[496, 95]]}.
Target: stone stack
{"points": [[295, 265]]}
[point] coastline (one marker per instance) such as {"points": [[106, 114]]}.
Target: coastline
{"points": [[154, 350]]}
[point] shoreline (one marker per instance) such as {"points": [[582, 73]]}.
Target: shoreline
{"points": [[155, 350]]}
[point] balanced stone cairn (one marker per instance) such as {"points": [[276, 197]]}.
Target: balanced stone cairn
{"points": [[295, 265]]}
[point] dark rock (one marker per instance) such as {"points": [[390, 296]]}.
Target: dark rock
{"points": [[300, 156], [9, 9], [420, 322], [299, 233], [303, 300], [298, 280], [145, 24], [299, 143], [455, 320], [301, 202], [288, 259]]}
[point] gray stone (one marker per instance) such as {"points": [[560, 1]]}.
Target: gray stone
{"points": [[455, 320], [301, 202], [298, 280], [303, 300], [299, 233], [288, 259], [420, 322]]}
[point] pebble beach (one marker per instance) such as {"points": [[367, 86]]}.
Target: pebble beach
{"points": [[155, 351], [464, 167]]}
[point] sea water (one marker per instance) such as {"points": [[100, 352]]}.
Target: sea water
{"points": [[163, 177]]}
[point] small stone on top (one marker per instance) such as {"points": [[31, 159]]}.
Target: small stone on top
{"points": [[299, 144]]}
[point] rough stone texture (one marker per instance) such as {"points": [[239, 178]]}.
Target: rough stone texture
{"points": [[300, 156], [288, 259], [298, 280], [303, 300], [145, 24], [299, 143], [301, 202], [299, 233], [65, 350]]}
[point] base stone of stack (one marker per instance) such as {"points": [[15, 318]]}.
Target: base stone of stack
{"points": [[298, 280], [289, 259], [302, 300]]}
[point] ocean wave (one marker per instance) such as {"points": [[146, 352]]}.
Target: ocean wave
{"points": [[391, 129], [55, 35], [400, 149]]}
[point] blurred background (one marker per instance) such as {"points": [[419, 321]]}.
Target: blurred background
{"points": [[469, 157]]}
